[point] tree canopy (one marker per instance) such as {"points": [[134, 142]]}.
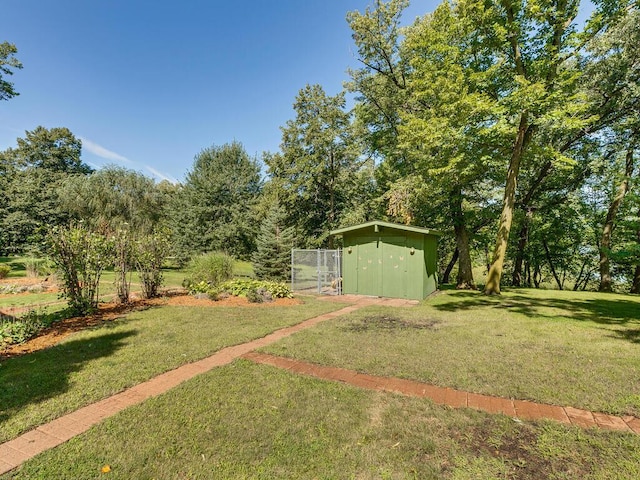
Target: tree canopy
{"points": [[213, 211]]}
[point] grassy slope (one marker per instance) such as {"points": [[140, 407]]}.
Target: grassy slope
{"points": [[579, 349], [252, 421], [96, 363]]}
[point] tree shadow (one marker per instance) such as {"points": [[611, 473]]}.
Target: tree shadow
{"points": [[598, 309], [44, 374], [632, 335]]}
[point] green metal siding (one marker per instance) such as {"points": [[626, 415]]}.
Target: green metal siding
{"points": [[394, 266], [382, 263]]}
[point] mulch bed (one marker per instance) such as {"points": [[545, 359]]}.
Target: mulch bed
{"points": [[111, 311]]}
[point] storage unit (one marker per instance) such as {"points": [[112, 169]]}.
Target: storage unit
{"points": [[389, 260]]}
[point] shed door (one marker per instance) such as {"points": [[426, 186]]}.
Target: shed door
{"points": [[369, 276], [394, 267]]}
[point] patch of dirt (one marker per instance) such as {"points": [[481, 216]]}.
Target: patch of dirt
{"points": [[108, 312], [390, 323], [190, 301], [11, 287], [516, 446], [20, 281]]}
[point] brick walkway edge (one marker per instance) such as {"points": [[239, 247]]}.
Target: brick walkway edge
{"points": [[454, 398]]}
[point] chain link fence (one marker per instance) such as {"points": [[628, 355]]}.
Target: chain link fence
{"points": [[316, 271]]}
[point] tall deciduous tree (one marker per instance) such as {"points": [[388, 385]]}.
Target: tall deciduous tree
{"points": [[213, 209], [613, 75], [34, 172], [113, 196], [425, 116], [444, 121], [8, 61], [314, 174]]}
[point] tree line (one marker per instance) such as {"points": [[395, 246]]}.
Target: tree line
{"points": [[507, 125]]}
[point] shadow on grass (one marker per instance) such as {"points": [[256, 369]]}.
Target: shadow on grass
{"points": [[599, 309], [632, 335], [45, 374]]}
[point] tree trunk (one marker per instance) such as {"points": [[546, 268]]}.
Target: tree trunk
{"points": [[523, 239], [550, 261], [465, 271], [576, 286], [635, 286], [451, 264], [609, 224], [537, 276], [495, 273]]}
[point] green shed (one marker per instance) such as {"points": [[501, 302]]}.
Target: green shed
{"points": [[389, 260]]}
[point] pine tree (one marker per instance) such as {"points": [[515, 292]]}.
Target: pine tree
{"points": [[272, 259]]}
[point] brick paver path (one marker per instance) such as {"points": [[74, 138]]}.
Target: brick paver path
{"points": [[454, 398], [16, 451]]}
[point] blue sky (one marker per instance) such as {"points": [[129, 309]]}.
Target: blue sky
{"points": [[148, 84]]}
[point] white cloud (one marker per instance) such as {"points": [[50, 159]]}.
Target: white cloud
{"points": [[161, 175], [100, 151]]}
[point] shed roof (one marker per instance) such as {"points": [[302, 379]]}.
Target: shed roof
{"points": [[376, 224]]}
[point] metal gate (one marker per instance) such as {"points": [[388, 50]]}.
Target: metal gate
{"points": [[316, 271]]}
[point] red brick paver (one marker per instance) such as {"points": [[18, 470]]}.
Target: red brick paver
{"points": [[454, 398]]}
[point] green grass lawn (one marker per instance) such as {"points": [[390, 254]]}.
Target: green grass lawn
{"points": [[99, 362], [173, 277], [577, 349], [26, 299], [253, 421]]}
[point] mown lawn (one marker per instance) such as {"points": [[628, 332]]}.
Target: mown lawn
{"points": [[27, 299], [256, 422], [577, 349], [99, 362]]}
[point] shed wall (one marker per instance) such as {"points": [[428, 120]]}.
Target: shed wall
{"points": [[382, 264]]}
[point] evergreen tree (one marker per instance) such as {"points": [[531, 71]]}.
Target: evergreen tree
{"points": [[213, 210], [272, 259]]}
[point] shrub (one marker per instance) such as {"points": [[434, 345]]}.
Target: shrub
{"points": [[254, 296], [19, 330], [200, 287], [122, 260], [4, 271], [80, 255], [37, 267], [242, 287], [149, 253], [212, 268]]}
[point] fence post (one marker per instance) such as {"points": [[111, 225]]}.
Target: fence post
{"points": [[318, 270], [292, 271]]}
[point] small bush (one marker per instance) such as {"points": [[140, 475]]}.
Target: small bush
{"points": [[254, 296], [200, 287], [150, 252], [19, 330], [211, 268], [4, 271], [6, 289], [37, 267], [242, 287]]}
